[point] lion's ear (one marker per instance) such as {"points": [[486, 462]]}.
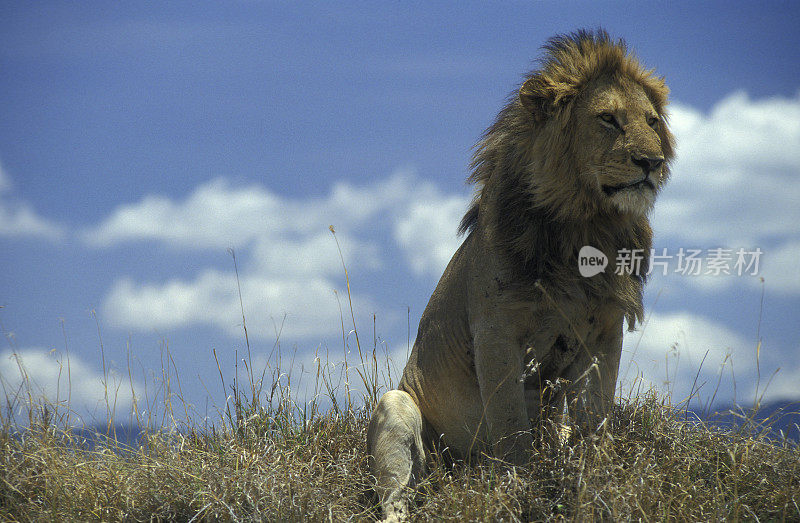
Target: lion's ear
{"points": [[534, 99]]}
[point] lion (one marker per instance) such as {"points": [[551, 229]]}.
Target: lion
{"points": [[513, 333]]}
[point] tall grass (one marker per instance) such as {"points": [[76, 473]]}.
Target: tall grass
{"points": [[269, 453]]}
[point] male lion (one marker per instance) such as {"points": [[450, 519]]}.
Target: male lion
{"points": [[513, 332]]}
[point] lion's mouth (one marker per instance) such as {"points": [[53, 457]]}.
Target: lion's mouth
{"points": [[610, 190]]}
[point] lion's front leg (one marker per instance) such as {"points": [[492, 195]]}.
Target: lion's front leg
{"points": [[498, 364], [593, 378]]}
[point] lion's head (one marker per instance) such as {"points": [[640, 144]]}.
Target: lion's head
{"points": [[587, 134], [575, 158]]}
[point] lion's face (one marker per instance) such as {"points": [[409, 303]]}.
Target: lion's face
{"points": [[618, 141]]}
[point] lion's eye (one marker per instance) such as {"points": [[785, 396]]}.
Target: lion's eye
{"points": [[609, 119], [652, 122]]}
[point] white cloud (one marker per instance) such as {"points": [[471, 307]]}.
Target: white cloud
{"points": [[780, 268], [290, 263], [668, 351], [302, 307], [427, 231], [53, 378], [783, 385], [19, 219], [735, 178], [738, 131], [314, 255], [735, 185], [216, 215]]}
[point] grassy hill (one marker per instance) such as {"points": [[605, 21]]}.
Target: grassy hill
{"points": [[282, 461]]}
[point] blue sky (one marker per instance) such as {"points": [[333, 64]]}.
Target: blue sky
{"points": [[138, 144]]}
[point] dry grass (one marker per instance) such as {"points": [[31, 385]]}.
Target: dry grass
{"points": [[646, 465], [317, 473]]}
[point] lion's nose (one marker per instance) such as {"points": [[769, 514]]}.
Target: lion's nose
{"points": [[647, 164]]}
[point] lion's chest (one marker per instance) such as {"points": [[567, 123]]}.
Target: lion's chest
{"points": [[552, 347]]}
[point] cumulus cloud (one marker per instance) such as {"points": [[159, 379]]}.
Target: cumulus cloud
{"points": [[214, 215], [19, 219], [290, 262], [316, 254], [295, 307], [218, 215], [427, 231], [781, 268], [739, 132], [682, 353], [735, 180], [51, 377]]}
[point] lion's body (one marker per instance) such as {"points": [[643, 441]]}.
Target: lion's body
{"points": [[441, 375], [513, 332]]}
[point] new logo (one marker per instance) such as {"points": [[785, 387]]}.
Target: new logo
{"points": [[591, 261]]}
